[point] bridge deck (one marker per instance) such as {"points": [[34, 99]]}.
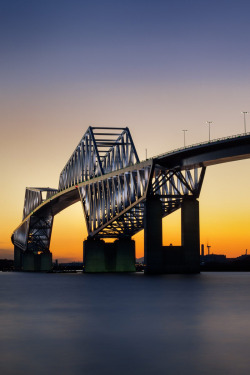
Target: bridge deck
{"points": [[203, 154]]}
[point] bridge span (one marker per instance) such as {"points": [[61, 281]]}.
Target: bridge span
{"points": [[121, 196]]}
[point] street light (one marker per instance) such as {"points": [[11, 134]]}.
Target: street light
{"points": [[209, 123], [184, 133], [244, 114]]}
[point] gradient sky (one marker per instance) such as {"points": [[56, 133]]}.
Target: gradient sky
{"points": [[155, 66]]}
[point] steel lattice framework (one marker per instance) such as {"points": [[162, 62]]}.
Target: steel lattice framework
{"points": [[100, 151], [114, 205], [106, 175], [35, 231], [34, 197]]}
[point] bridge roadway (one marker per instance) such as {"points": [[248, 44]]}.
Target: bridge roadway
{"points": [[183, 159]]}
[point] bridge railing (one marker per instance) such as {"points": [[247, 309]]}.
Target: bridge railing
{"points": [[202, 144]]}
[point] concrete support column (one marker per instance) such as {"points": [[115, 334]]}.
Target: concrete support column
{"points": [[45, 262], [29, 261], [118, 256], [37, 262], [94, 256], [17, 258], [153, 257], [190, 234], [125, 255]]}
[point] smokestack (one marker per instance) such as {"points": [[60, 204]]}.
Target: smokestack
{"points": [[208, 249], [202, 249]]}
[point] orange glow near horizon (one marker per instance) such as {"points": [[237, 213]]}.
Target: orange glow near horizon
{"points": [[69, 231]]}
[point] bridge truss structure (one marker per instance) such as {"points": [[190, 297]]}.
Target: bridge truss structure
{"points": [[104, 173]]}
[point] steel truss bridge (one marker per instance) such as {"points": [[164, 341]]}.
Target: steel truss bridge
{"points": [[104, 173]]}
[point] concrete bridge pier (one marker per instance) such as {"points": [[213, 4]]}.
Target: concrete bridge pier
{"points": [[153, 254], [190, 235], [160, 259], [17, 258], [30, 261], [101, 256]]}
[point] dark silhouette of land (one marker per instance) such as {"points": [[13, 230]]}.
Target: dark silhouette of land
{"points": [[216, 262], [6, 265], [210, 262]]}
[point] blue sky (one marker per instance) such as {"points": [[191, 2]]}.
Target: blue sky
{"points": [[45, 42]]}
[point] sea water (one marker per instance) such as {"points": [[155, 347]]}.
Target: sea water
{"points": [[92, 324]]}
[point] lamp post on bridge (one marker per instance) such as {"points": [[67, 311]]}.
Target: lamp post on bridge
{"points": [[209, 123], [244, 115], [184, 133]]}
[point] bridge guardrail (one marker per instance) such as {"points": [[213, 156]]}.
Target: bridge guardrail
{"points": [[200, 144]]}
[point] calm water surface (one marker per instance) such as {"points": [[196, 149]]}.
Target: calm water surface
{"points": [[124, 324]]}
